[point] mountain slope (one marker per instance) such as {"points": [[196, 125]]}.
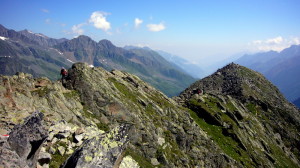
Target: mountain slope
{"points": [[162, 133], [279, 67], [246, 110]]}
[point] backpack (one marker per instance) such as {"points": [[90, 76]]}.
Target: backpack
{"points": [[63, 72]]}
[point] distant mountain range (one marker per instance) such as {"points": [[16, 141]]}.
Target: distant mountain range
{"points": [[184, 64], [176, 61], [25, 51], [281, 68], [44, 56]]}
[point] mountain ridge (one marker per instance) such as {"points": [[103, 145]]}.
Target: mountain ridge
{"points": [[235, 98], [104, 117], [279, 67]]}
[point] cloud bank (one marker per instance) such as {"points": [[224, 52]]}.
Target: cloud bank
{"points": [[276, 44], [156, 27], [99, 20]]}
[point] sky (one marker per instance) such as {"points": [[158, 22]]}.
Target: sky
{"points": [[201, 31]]}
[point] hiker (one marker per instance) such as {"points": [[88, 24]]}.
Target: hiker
{"points": [[64, 75]]}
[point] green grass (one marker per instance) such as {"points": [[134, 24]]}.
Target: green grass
{"points": [[142, 161], [72, 94], [124, 90], [252, 108], [102, 126], [41, 92], [227, 144], [57, 159], [281, 159]]}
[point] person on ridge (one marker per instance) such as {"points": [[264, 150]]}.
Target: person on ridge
{"points": [[64, 74]]}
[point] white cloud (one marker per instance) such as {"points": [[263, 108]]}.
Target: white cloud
{"points": [[142, 45], [276, 44], [77, 29], [99, 20], [276, 40], [45, 10], [137, 22], [296, 40], [48, 21], [156, 27]]}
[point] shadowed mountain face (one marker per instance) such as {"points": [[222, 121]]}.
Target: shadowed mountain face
{"points": [[281, 68], [249, 113], [40, 55], [297, 102]]}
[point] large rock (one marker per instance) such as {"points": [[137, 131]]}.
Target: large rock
{"points": [[26, 139], [101, 152], [8, 157]]}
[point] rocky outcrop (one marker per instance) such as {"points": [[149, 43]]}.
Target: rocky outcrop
{"points": [[24, 143]]}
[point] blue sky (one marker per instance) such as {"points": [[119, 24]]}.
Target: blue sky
{"points": [[199, 30]]}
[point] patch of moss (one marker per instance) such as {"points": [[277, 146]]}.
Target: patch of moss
{"points": [[71, 95], [124, 89], [281, 159], [252, 108], [57, 159], [160, 100], [230, 106], [41, 92], [152, 113], [103, 126], [87, 113], [172, 150], [226, 143], [142, 161], [90, 115]]}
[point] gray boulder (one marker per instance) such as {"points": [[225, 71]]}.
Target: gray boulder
{"points": [[9, 158], [26, 139]]}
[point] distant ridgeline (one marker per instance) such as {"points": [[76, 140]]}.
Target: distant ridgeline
{"points": [[281, 68], [233, 118], [39, 55]]}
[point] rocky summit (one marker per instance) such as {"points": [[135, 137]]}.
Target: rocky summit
{"points": [[246, 116], [96, 118]]}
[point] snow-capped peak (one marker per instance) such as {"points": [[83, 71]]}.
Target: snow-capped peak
{"points": [[41, 35], [3, 38]]}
